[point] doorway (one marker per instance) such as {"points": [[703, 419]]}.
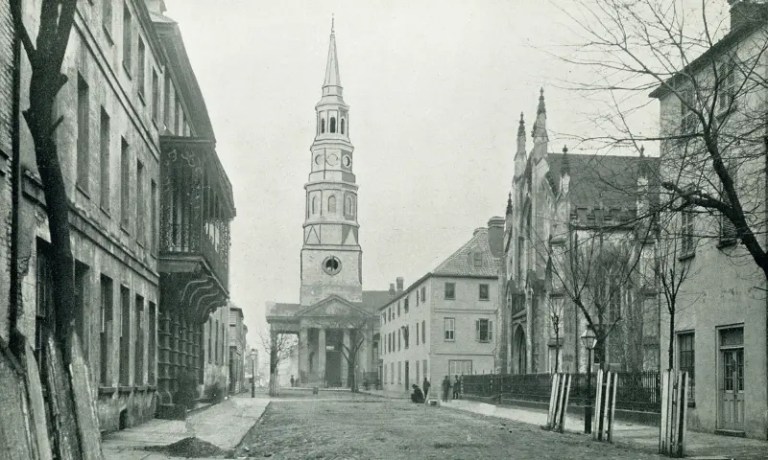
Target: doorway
{"points": [[333, 368], [731, 379], [407, 383]]}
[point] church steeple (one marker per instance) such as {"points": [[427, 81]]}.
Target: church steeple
{"points": [[540, 138], [331, 256], [332, 82], [520, 156]]}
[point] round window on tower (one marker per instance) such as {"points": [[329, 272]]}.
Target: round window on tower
{"points": [[332, 265]]}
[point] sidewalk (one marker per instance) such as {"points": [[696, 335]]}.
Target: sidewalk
{"points": [[632, 435], [223, 425]]}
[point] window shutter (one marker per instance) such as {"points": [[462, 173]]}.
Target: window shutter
{"points": [[490, 330], [477, 330]]}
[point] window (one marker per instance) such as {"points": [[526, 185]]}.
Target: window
{"points": [[44, 289], [726, 85], [82, 307], [140, 204], [399, 339], [83, 155], [417, 332], [142, 69], [399, 372], [459, 367], [125, 335], [418, 297], [405, 304], [167, 103], [342, 126], [728, 233], [333, 124], [153, 214], [138, 378], [332, 204], [449, 325], [314, 205], [483, 330], [398, 308], [687, 228], [104, 161], [450, 291], [423, 331], [125, 191], [686, 359], [155, 96], [392, 372], [152, 342], [688, 119], [477, 259], [483, 294], [106, 16], [127, 39], [423, 294], [332, 265], [105, 341]]}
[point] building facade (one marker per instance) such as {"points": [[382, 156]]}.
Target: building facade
{"points": [[238, 350], [720, 331], [130, 109], [8, 131], [446, 322], [335, 319], [565, 208]]}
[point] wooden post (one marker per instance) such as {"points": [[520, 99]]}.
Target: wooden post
{"points": [[552, 401], [564, 402], [597, 433]]}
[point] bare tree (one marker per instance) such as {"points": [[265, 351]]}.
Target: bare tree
{"points": [[357, 326], [555, 310], [278, 347], [713, 111]]}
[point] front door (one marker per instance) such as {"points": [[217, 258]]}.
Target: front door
{"points": [[333, 368], [731, 380], [407, 386]]}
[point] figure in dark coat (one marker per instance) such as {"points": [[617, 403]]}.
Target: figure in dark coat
{"points": [[417, 396], [456, 388], [426, 386], [446, 388]]}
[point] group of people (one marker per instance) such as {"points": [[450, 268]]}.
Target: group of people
{"points": [[419, 396]]}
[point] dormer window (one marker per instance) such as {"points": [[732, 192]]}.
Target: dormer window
{"points": [[333, 124]]}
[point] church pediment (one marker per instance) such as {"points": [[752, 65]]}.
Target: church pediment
{"points": [[332, 306]]}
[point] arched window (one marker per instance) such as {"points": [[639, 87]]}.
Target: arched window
{"points": [[349, 206], [314, 205], [322, 126], [333, 124], [332, 204], [342, 126]]}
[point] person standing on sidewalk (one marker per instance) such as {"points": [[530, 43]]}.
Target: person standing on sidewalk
{"points": [[425, 385], [446, 388], [456, 388]]}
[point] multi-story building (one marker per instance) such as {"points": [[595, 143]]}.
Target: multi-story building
{"points": [[131, 107], [579, 206], [238, 349], [720, 330], [445, 322]]}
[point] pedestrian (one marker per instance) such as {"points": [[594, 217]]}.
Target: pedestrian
{"points": [[456, 388], [446, 388], [426, 386], [417, 396], [292, 381]]}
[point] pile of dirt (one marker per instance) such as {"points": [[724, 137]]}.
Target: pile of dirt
{"points": [[192, 448]]}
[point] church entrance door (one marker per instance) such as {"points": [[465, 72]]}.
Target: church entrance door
{"points": [[333, 368]]}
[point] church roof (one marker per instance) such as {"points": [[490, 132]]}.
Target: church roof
{"points": [[372, 301], [332, 67], [609, 181], [474, 258]]}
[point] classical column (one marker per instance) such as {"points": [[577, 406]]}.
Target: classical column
{"points": [[344, 362], [303, 355], [364, 356], [321, 355]]}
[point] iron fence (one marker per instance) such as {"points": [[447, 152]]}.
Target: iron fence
{"points": [[636, 391]]}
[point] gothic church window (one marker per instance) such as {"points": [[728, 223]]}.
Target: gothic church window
{"points": [[332, 204]]}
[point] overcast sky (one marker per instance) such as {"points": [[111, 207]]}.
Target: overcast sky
{"points": [[435, 89]]}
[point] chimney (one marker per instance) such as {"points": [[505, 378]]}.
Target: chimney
{"points": [[744, 12], [392, 289], [155, 6], [496, 235], [400, 282]]}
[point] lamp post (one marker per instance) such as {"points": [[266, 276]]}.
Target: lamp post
{"points": [[253, 372], [589, 339]]}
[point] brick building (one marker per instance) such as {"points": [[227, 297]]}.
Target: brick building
{"points": [[446, 322], [131, 110], [558, 201], [8, 51]]}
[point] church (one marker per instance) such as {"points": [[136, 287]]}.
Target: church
{"points": [[336, 321]]}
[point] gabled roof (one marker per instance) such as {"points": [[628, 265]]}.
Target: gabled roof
{"points": [[372, 301], [607, 180], [474, 258], [325, 307]]}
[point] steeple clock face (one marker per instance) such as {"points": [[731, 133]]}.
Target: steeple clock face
{"points": [[332, 159], [347, 161], [319, 159]]}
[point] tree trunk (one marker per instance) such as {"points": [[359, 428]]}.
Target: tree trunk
{"points": [[273, 383], [671, 345], [351, 375]]}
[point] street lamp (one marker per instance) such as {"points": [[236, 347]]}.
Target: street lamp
{"points": [[253, 372], [589, 340]]}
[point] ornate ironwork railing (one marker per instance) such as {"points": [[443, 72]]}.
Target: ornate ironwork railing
{"points": [[637, 391]]}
